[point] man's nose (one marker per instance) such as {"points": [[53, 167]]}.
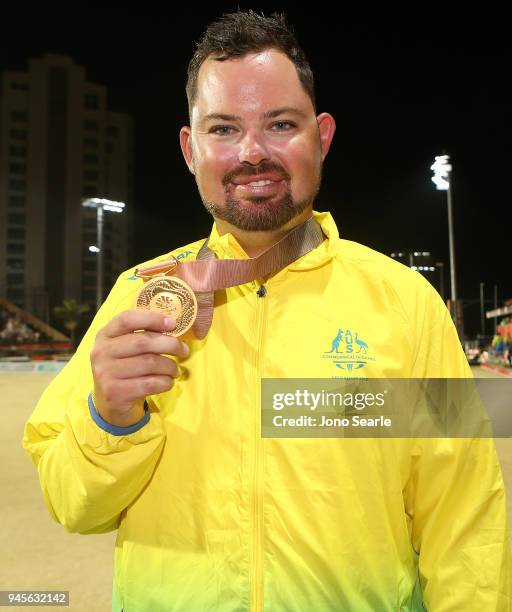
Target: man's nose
{"points": [[253, 149]]}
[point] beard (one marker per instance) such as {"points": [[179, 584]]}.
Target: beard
{"points": [[260, 214]]}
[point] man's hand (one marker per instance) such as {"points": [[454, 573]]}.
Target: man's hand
{"points": [[128, 366]]}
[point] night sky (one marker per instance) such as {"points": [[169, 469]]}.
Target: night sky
{"points": [[400, 93]]}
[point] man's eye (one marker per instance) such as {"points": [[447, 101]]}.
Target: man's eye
{"points": [[221, 130], [283, 126]]}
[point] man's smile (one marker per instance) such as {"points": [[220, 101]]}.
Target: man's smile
{"points": [[261, 187]]}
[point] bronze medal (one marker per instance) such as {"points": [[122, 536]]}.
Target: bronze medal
{"points": [[171, 296]]}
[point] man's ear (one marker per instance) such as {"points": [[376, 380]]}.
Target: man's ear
{"points": [[326, 127], [186, 146]]}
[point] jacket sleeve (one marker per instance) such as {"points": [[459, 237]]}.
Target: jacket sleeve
{"points": [[88, 476], [456, 496]]}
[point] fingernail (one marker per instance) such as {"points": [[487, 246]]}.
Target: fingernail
{"points": [[169, 323], [186, 348]]}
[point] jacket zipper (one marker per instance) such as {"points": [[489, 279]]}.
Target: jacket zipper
{"points": [[257, 481]]}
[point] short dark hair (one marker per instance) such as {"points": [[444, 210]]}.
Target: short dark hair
{"points": [[243, 32]]}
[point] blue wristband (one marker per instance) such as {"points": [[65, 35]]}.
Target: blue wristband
{"points": [[115, 430]]}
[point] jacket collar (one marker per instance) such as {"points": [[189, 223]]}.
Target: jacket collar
{"points": [[228, 247]]}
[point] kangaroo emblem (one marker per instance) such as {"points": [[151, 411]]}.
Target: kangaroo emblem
{"points": [[336, 342], [362, 344]]}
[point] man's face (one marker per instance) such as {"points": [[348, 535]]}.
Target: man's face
{"points": [[255, 146]]}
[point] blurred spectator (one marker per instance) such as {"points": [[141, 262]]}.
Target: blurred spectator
{"points": [[508, 355], [14, 330], [484, 355]]}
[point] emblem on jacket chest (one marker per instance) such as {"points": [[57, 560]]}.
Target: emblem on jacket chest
{"points": [[348, 351]]}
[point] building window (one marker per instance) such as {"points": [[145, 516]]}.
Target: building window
{"points": [[90, 175], [15, 219], [14, 248], [90, 124], [16, 295], [15, 264], [89, 295], [19, 115], [16, 233], [15, 278], [16, 168], [16, 151], [16, 184], [16, 201], [90, 158], [17, 134], [91, 101], [110, 147], [112, 131], [89, 266], [89, 191], [90, 143], [19, 86]]}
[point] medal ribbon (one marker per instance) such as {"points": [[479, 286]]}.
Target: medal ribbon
{"points": [[207, 274]]}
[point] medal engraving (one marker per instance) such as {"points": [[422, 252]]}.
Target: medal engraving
{"points": [[171, 296]]}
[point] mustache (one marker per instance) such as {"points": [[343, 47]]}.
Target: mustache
{"points": [[264, 168]]}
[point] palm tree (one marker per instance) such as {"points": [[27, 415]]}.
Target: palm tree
{"points": [[71, 314]]}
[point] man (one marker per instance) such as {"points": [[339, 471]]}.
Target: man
{"points": [[161, 439]]}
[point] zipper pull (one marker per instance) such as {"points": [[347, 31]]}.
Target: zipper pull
{"points": [[262, 291]]}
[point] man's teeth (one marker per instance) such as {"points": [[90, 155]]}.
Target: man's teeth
{"points": [[260, 183]]}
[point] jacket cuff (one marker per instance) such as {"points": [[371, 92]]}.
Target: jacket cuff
{"points": [[115, 430]]}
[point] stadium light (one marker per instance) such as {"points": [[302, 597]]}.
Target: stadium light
{"points": [[101, 204], [442, 170]]}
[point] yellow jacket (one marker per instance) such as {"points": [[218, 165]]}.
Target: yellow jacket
{"points": [[211, 516]]}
